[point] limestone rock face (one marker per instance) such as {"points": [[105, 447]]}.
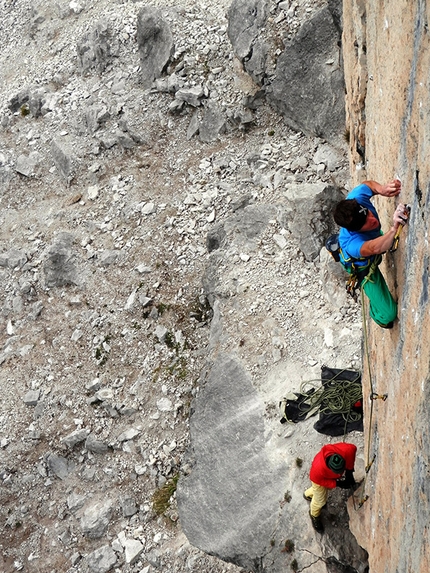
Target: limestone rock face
{"points": [[388, 72]]}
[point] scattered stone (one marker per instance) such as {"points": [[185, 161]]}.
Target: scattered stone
{"points": [[95, 519], [32, 397], [101, 560], [25, 164], [161, 332], [75, 501], [164, 405], [75, 437], [133, 549], [129, 434], [59, 266], [59, 466], [104, 394], [94, 49], [108, 257], [63, 160], [128, 506], [92, 444]]}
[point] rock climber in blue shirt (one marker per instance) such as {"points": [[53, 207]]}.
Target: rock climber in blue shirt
{"points": [[362, 243]]}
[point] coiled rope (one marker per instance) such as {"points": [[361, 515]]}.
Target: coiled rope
{"points": [[338, 398]]}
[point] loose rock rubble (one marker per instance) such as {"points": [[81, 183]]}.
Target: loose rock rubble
{"points": [[107, 199]]}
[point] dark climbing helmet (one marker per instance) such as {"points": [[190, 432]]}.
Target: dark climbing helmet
{"points": [[336, 463]]}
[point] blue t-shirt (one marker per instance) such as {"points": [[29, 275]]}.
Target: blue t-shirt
{"points": [[351, 241]]}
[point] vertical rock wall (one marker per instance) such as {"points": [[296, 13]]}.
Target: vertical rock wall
{"points": [[387, 67]]}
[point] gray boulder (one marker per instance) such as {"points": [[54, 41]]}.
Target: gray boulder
{"points": [[26, 164], [13, 259], [212, 124], [331, 158], [101, 560], [309, 88], [228, 503], [95, 519], [59, 265], [92, 444], [255, 64], [94, 50], [155, 43], [96, 116], [28, 100], [63, 160], [59, 466], [75, 437], [191, 95], [308, 215], [243, 229], [245, 20]]}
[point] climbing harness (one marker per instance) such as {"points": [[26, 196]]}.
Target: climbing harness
{"points": [[357, 269]]}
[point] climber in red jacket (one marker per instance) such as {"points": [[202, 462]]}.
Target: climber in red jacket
{"points": [[332, 462]]}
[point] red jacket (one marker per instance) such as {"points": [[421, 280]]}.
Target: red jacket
{"points": [[321, 474]]}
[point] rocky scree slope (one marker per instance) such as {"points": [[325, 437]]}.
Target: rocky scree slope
{"points": [[109, 191]]}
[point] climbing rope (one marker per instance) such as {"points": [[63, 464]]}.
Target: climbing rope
{"points": [[373, 395], [337, 398]]}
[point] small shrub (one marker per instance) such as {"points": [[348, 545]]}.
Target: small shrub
{"points": [[299, 462], [287, 496], [201, 310], [288, 546], [24, 110], [161, 497], [161, 307], [170, 341], [178, 368], [294, 565], [347, 135]]}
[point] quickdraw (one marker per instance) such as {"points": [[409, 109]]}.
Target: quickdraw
{"points": [[370, 464], [352, 285], [375, 396], [395, 244], [362, 501]]}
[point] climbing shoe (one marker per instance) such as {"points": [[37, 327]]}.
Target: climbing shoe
{"points": [[307, 497], [317, 524], [389, 325]]}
